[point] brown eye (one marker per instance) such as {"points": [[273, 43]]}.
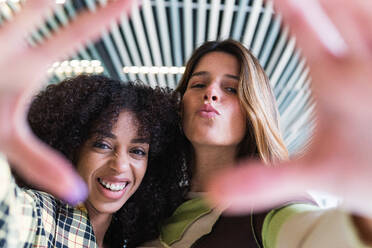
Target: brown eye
{"points": [[138, 152], [101, 145], [232, 90]]}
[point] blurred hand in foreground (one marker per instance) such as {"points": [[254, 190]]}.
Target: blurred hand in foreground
{"points": [[336, 38], [23, 71]]}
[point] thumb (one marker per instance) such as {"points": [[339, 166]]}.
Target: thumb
{"points": [[44, 167], [255, 185]]}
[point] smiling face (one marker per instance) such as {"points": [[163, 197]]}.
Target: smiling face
{"points": [[113, 165], [212, 114]]}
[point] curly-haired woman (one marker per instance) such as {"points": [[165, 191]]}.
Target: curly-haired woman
{"points": [[123, 140]]}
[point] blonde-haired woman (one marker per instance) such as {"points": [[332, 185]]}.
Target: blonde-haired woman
{"points": [[229, 112]]}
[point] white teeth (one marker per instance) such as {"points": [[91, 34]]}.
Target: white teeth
{"points": [[113, 187]]}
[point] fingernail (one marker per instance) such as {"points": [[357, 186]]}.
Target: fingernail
{"points": [[318, 20], [78, 193]]}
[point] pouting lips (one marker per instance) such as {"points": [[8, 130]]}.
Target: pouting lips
{"points": [[113, 186]]}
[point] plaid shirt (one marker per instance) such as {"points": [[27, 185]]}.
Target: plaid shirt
{"points": [[30, 218]]}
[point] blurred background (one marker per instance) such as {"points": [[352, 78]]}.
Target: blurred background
{"points": [[153, 43]]}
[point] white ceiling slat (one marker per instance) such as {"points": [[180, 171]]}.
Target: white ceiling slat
{"points": [[262, 28], [153, 38], [290, 101], [303, 115], [239, 23], [72, 13], [288, 97], [299, 97], [61, 15], [164, 36], [270, 41], [298, 109], [277, 51], [176, 33], [293, 62], [187, 22], [108, 44], [141, 39], [304, 119], [291, 82], [201, 22], [63, 19], [214, 16], [121, 48], [299, 112], [227, 19], [252, 23], [129, 38], [113, 55], [283, 61]]}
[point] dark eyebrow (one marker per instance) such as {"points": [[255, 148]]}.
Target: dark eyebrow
{"points": [[140, 140], [104, 134]]}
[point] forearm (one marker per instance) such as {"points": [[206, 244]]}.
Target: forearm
{"points": [[310, 227]]}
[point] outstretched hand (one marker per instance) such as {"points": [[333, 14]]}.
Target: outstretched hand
{"points": [[338, 46], [23, 70]]}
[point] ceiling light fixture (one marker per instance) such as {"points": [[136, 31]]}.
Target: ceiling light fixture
{"points": [[69, 68]]}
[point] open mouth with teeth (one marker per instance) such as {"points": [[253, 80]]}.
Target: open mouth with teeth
{"points": [[113, 186]]}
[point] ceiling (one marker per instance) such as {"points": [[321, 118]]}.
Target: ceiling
{"points": [[163, 33]]}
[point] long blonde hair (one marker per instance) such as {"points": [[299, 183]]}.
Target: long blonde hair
{"points": [[263, 138]]}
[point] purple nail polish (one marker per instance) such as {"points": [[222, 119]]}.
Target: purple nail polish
{"points": [[78, 193]]}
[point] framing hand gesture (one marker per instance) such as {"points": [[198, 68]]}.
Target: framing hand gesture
{"points": [[23, 70], [336, 38]]}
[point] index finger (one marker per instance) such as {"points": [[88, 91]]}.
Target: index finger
{"points": [[32, 14]]}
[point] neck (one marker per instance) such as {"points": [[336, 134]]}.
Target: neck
{"points": [[209, 159], [100, 223]]}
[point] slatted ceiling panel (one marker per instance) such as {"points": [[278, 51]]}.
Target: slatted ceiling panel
{"points": [[289, 70], [270, 40], [277, 51], [165, 42], [301, 123], [282, 63], [238, 24], [252, 23], [165, 32], [300, 67], [176, 33], [227, 17], [124, 56], [142, 42], [263, 26], [214, 15], [188, 27]]}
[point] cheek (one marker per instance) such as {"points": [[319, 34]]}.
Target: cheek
{"points": [[239, 123], [140, 171]]}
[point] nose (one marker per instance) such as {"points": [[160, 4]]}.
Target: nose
{"points": [[120, 162], [211, 94]]}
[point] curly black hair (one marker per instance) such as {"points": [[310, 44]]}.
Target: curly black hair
{"points": [[65, 115]]}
